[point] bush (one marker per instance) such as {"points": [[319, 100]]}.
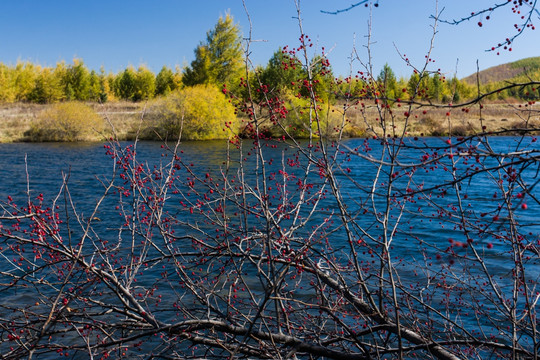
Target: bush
{"points": [[524, 127], [298, 119], [298, 122], [69, 121], [201, 112], [464, 129]]}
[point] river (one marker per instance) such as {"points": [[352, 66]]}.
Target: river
{"points": [[424, 228]]}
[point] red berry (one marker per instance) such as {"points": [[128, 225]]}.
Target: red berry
{"points": [[524, 206]]}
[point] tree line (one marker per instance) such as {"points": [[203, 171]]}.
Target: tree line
{"points": [[219, 61], [28, 82], [390, 246]]}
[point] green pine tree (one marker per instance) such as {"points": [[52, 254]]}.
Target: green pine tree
{"points": [[165, 81], [217, 61]]}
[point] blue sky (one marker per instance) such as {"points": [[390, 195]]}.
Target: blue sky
{"points": [[118, 33]]}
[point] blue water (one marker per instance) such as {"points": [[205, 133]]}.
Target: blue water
{"points": [[427, 247]]}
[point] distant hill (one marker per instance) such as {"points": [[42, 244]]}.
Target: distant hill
{"points": [[506, 71]]}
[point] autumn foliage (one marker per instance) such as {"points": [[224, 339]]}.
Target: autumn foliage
{"points": [[382, 247], [68, 121], [200, 112]]}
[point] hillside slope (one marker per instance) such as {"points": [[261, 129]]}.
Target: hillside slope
{"points": [[506, 71]]}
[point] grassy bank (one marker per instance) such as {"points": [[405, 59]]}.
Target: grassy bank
{"points": [[433, 121], [124, 117], [16, 118]]}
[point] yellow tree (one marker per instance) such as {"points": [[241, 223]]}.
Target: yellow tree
{"points": [[24, 77], [7, 93]]}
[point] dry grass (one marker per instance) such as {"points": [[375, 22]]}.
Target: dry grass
{"points": [[493, 117], [123, 118], [15, 119]]}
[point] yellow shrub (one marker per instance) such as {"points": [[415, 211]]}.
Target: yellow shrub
{"points": [[69, 121], [200, 112], [301, 119]]}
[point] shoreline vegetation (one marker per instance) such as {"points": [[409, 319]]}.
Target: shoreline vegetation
{"points": [[269, 247], [126, 118], [216, 98]]}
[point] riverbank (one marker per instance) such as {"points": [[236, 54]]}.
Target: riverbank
{"points": [[457, 121], [16, 118], [125, 117]]}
